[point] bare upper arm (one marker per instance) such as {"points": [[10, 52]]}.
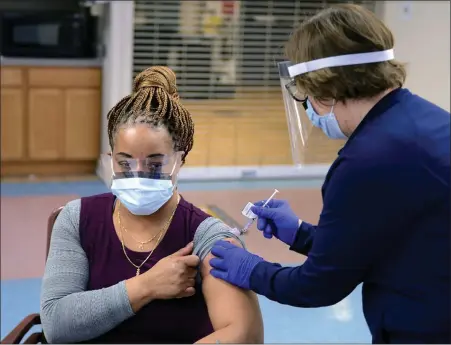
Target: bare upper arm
{"points": [[230, 306]]}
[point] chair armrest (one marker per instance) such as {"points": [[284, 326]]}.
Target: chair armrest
{"points": [[16, 335], [35, 338]]}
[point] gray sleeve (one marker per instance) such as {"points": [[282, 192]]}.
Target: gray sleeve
{"points": [[69, 313], [208, 232]]}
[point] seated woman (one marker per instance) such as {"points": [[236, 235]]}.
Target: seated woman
{"points": [[120, 268]]}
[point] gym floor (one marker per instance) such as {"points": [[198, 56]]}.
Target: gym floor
{"points": [[26, 205]]}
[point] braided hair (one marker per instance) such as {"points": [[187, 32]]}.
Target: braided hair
{"points": [[154, 101]]}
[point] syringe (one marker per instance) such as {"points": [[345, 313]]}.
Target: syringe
{"points": [[249, 224]]}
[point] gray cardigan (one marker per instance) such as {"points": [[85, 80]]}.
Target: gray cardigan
{"points": [[69, 313]]}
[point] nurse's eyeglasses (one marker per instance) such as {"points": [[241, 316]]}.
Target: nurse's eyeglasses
{"points": [[294, 92]]}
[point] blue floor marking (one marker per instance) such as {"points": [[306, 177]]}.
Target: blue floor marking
{"points": [[19, 298], [283, 324]]}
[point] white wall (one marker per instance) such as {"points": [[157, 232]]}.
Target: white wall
{"points": [[422, 40], [117, 71]]}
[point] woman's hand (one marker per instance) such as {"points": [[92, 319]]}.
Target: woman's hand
{"points": [[174, 276]]}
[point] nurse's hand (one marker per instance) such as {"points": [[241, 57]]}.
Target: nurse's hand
{"points": [[233, 264], [277, 219]]}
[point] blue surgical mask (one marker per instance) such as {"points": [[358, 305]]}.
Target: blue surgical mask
{"points": [[328, 123], [142, 196]]}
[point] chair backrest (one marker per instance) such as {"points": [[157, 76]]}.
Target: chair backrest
{"points": [[50, 223]]}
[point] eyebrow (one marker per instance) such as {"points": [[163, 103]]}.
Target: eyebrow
{"points": [[127, 155]]}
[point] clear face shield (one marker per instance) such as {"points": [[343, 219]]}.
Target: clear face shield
{"points": [[156, 167], [300, 127]]}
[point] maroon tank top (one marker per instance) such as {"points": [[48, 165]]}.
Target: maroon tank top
{"points": [[174, 321]]}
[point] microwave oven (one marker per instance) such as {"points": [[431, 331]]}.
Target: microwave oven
{"points": [[48, 34]]}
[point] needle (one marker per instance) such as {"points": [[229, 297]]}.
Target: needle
{"points": [[248, 225]]}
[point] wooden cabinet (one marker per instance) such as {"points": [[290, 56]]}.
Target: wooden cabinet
{"points": [[82, 137], [12, 124], [12, 114], [50, 120], [251, 130], [46, 121]]}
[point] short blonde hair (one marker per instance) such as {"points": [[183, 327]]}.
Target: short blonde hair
{"points": [[339, 30]]}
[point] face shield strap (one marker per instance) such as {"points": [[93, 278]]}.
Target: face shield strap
{"points": [[173, 168], [112, 168], [333, 106], [337, 61]]}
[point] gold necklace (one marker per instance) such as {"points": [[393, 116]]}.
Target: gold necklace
{"points": [[138, 268], [141, 243], [162, 231]]}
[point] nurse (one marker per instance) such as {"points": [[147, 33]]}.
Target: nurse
{"points": [[386, 199]]}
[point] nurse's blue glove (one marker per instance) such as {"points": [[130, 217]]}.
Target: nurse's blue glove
{"points": [[277, 219], [233, 264]]}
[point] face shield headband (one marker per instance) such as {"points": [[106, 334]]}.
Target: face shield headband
{"points": [[299, 126]]}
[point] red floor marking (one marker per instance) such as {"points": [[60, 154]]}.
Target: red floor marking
{"points": [[24, 225], [24, 233]]}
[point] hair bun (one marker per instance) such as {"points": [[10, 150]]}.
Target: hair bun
{"points": [[157, 76]]}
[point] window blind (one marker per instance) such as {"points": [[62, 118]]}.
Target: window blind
{"points": [[216, 46]]}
